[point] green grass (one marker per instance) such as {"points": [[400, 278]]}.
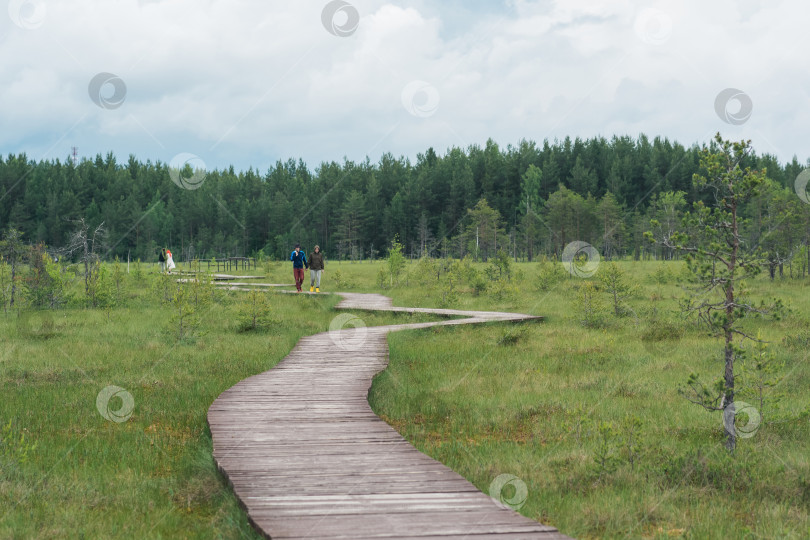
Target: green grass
{"points": [[151, 476], [528, 401], [493, 399]]}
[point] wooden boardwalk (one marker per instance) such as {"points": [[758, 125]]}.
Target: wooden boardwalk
{"points": [[308, 458]]}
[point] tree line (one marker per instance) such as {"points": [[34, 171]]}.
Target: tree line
{"points": [[527, 200]]}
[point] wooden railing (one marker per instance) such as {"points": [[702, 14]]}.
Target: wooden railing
{"points": [[224, 264]]}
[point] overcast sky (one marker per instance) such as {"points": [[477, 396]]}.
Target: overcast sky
{"points": [[247, 82]]}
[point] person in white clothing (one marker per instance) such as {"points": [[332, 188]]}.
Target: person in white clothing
{"points": [[169, 261]]}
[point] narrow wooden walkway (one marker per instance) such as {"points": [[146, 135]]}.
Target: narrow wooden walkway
{"points": [[308, 458]]}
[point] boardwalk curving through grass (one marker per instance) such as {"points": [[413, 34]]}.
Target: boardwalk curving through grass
{"points": [[308, 458]]}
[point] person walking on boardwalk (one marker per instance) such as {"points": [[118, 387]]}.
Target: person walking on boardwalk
{"points": [[315, 269], [169, 261], [162, 260], [299, 260]]}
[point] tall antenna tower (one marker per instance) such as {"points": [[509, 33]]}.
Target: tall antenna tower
{"points": [[74, 155]]}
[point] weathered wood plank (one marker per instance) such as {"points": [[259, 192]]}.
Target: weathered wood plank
{"points": [[308, 458]]}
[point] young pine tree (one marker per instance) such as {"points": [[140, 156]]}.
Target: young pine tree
{"points": [[615, 283], [255, 312], [395, 261], [719, 259]]}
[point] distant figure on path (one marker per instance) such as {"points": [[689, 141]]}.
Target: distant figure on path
{"points": [[315, 269], [299, 260], [169, 260], [162, 260]]}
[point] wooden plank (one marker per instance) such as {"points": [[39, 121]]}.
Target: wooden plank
{"points": [[308, 458]]}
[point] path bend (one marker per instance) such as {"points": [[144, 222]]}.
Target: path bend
{"points": [[308, 458]]}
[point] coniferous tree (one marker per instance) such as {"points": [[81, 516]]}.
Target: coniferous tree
{"points": [[719, 259]]}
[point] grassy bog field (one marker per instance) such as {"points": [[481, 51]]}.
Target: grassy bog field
{"points": [[145, 470], [104, 409], [588, 418]]}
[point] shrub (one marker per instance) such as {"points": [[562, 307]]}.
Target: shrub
{"points": [[549, 275], [590, 308], [5, 283], [100, 288], [382, 278], [662, 275], [606, 453], [185, 318], [659, 330], [503, 289], [255, 312], [500, 267], [479, 285], [615, 283], [137, 272], [340, 280], [427, 271], [118, 277], [47, 284], [395, 261], [162, 288], [513, 335]]}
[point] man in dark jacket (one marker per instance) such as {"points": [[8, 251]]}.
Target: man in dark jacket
{"points": [[299, 260], [315, 269]]}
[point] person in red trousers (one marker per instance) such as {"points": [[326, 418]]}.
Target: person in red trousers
{"points": [[299, 260]]}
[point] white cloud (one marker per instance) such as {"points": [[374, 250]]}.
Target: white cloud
{"points": [[249, 82]]}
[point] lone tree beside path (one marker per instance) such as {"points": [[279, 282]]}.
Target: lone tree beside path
{"points": [[718, 259]]}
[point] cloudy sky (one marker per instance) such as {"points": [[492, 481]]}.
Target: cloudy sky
{"points": [[247, 82]]}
